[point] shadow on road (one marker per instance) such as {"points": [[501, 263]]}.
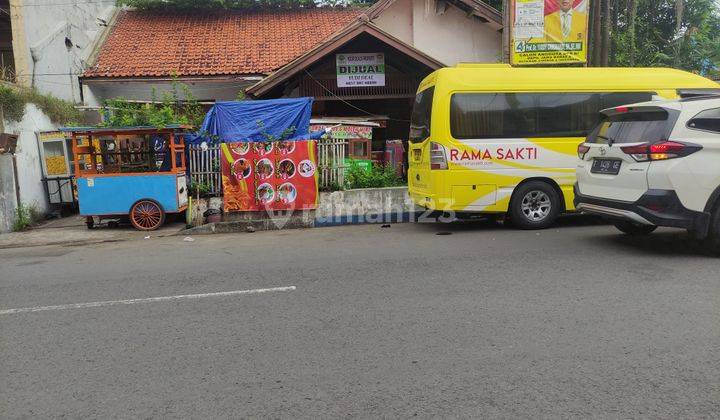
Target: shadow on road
{"points": [[666, 243], [486, 224]]}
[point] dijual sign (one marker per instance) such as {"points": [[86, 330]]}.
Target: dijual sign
{"points": [[357, 70]]}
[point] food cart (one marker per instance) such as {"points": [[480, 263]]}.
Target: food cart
{"points": [[134, 172]]}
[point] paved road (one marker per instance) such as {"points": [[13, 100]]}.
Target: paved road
{"points": [[575, 321]]}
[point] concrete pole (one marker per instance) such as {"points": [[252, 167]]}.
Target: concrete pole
{"points": [[506, 31]]}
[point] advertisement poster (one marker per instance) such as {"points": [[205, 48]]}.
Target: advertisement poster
{"points": [[549, 31], [279, 175], [345, 132], [359, 70]]}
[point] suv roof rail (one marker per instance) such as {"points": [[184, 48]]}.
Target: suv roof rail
{"points": [[701, 97], [703, 93]]}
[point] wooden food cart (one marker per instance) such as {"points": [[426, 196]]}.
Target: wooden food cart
{"points": [[138, 172]]}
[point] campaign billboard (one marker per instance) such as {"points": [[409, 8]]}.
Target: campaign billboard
{"points": [[548, 31]]}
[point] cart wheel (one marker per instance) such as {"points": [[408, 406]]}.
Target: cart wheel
{"points": [[147, 215], [89, 222]]}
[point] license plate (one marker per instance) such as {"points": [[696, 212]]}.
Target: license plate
{"points": [[606, 166]]}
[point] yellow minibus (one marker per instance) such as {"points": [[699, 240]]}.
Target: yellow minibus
{"points": [[503, 140]]}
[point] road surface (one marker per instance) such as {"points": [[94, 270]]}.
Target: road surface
{"points": [[574, 321]]}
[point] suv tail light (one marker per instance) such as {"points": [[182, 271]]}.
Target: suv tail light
{"points": [[582, 150], [660, 151], [438, 159]]}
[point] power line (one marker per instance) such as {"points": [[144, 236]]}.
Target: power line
{"points": [[348, 103]]}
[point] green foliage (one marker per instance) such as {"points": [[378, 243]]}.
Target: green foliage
{"points": [[377, 176], [25, 215], [284, 135], [12, 103], [498, 4], [14, 98], [695, 47], [178, 106], [333, 186], [199, 188]]}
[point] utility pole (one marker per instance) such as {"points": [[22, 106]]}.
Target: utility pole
{"points": [[506, 31]]}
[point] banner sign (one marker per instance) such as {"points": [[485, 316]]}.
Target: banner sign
{"points": [[345, 132], [358, 70], [279, 175], [548, 31]]}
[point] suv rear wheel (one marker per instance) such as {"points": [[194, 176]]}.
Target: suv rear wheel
{"points": [[535, 205], [634, 229]]}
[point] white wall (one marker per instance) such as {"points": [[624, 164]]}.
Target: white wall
{"points": [[95, 92], [453, 37], [32, 191], [397, 20], [42, 58], [450, 37]]}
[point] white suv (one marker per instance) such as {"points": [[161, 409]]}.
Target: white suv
{"points": [[654, 164]]}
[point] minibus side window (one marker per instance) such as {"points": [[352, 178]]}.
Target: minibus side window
{"points": [[518, 115], [421, 115]]}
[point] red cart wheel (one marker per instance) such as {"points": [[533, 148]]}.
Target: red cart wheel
{"points": [[147, 215]]}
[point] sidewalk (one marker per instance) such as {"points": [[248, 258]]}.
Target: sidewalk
{"points": [[72, 231]]}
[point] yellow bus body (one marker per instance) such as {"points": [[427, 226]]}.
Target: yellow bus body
{"points": [[487, 185]]}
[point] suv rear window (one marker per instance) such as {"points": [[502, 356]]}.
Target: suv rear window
{"points": [[631, 127], [421, 115]]}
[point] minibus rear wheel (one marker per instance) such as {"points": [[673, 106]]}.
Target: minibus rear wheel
{"points": [[534, 205]]}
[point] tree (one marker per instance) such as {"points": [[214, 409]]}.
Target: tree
{"points": [[605, 51], [632, 34], [678, 33]]}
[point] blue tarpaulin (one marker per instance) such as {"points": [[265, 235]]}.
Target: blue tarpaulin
{"points": [[256, 120]]}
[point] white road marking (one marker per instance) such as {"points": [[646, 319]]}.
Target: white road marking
{"points": [[144, 300]]}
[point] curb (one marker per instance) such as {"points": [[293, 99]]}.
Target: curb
{"points": [[247, 226], [298, 223]]}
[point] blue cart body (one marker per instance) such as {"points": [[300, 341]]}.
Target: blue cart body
{"points": [[106, 195]]}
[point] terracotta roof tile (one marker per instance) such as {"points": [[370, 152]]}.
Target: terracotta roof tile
{"points": [[144, 44]]}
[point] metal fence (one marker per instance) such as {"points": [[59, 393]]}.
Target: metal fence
{"points": [[205, 168], [205, 165], [331, 162]]}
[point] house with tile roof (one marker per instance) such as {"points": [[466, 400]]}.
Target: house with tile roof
{"points": [[291, 53]]}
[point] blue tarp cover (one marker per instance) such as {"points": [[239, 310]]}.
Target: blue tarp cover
{"points": [[253, 120]]}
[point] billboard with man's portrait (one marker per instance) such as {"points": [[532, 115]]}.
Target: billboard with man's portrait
{"points": [[548, 31]]}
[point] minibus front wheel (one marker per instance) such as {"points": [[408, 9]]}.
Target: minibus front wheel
{"points": [[534, 205]]}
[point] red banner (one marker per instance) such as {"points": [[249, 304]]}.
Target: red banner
{"points": [[279, 175]]}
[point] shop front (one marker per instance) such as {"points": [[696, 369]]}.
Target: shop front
{"points": [[364, 78]]}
